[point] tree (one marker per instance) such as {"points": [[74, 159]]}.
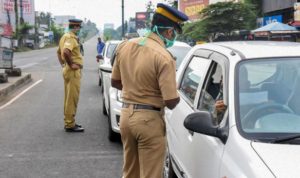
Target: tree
{"points": [[57, 33], [23, 32], [257, 4], [16, 34], [149, 7], [88, 30], [173, 3], [111, 34], [223, 18], [194, 31]]}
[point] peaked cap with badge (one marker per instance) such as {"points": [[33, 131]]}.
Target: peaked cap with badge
{"points": [[75, 22], [172, 14]]}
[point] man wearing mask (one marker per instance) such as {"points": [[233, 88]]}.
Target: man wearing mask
{"points": [[145, 72], [70, 58]]}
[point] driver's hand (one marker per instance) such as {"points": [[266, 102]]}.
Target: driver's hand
{"points": [[220, 106]]}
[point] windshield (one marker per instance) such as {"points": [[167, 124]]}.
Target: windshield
{"points": [[110, 50], [179, 52], [268, 99]]}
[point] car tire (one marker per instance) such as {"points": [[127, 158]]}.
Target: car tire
{"points": [[104, 112], [112, 136], [168, 168]]}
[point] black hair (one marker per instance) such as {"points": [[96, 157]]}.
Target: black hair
{"points": [[162, 21]]}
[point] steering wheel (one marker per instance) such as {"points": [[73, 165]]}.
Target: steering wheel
{"points": [[258, 111]]}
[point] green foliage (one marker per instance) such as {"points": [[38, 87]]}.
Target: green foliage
{"points": [[88, 30], [57, 33], [222, 18], [45, 18], [257, 6], [226, 17], [149, 7], [173, 3], [22, 32], [24, 28], [111, 34], [195, 31]]}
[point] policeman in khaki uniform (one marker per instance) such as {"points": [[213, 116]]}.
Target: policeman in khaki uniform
{"points": [[145, 72], [71, 60]]}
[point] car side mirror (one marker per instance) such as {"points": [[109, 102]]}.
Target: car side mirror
{"points": [[202, 122]]}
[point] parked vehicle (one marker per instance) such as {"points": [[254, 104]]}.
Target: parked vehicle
{"points": [[112, 97], [258, 132], [108, 50]]}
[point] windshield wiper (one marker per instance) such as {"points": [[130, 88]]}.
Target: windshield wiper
{"points": [[285, 138]]}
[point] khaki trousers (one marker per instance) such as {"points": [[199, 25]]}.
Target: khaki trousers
{"points": [[72, 90], [144, 142]]}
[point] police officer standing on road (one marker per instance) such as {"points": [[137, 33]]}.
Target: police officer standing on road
{"points": [[71, 60], [145, 72]]}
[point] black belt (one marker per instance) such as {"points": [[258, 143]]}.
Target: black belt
{"points": [[141, 106]]}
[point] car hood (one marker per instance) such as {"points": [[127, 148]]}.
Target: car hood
{"points": [[282, 159]]}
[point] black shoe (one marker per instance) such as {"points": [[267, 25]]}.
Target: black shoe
{"points": [[78, 125], [76, 128]]}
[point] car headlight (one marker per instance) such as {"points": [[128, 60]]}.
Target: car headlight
{"points": [[119, 96]]}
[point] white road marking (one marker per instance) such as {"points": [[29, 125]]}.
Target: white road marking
{"points": [[19, 95]]}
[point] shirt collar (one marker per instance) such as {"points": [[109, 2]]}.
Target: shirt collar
{"points": [[156, 38], [72, 34]]}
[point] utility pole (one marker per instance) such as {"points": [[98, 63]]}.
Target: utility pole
{"points": [[123, 28], [21, 12], [16, 20]]}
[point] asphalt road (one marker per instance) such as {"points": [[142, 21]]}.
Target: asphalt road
{"points": [[33, 143]]}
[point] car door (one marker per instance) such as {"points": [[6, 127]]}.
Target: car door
{"points": [[178, 136], [205, 153]]}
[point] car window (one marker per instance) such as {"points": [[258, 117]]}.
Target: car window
{"points": [[261, 73], [111, 48], [193, 76], [272, 106], [212, 92], [179, 52]]}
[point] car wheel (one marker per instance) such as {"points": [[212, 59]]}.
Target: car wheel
{"points": [[168, 169], [103, 106], [112, 136]]}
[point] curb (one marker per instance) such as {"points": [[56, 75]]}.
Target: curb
{"points": [[14, 85]]}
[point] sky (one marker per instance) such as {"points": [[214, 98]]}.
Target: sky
{"points": [[98, 11]]}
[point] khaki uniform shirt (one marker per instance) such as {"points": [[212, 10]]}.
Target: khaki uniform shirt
{"points": [[147, 72], [69, 41]]}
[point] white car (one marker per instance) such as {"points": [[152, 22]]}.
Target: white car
{"points": [[257, 134], [112, 96], [108, 50]]}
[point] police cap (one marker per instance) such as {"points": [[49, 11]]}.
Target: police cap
{"points": [[75, 22], [171, 13]]}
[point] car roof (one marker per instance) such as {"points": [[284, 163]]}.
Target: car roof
{"points": [[179, 43], [113, 41], [258, 49]]}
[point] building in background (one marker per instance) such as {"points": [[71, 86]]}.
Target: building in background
{"points": [[108, 26], [62, 20], [192, 7], [25, 10]]}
